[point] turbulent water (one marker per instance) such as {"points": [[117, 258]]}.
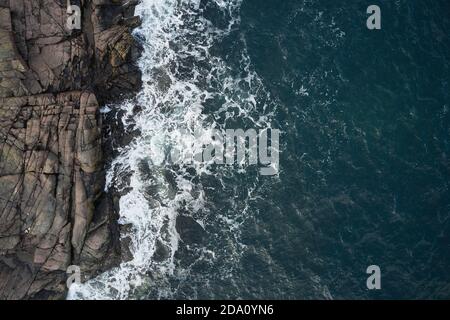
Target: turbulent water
{"points": [[364, 170]]}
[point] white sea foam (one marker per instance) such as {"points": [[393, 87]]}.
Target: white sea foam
{"points": [[181, 76]]}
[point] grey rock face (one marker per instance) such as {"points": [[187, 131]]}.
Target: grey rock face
{"points": [[53, 211]]}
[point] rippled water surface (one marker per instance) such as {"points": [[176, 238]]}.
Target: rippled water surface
{"points": [[364, 169]]}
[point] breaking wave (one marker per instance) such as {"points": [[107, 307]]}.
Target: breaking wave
{"points": [[188, 84]]}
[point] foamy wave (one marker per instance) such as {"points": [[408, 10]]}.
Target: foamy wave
{"points": [[181, 76]]}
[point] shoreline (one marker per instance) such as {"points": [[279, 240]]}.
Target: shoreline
{"points": [[54, 212]]}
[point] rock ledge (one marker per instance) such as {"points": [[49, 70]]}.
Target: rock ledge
{"points": [[53, 211]]}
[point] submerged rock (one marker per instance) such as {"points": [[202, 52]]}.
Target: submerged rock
{"points": [[190, 231], [161, 253]]}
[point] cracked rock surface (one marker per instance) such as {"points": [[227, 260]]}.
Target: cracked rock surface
{"points": [[53, 210]]}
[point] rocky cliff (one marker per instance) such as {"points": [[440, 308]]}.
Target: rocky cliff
{"points": [[53, 211]]}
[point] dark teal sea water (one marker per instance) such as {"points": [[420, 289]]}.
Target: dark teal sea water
{"points": [[365, 165], [365, 152]]}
